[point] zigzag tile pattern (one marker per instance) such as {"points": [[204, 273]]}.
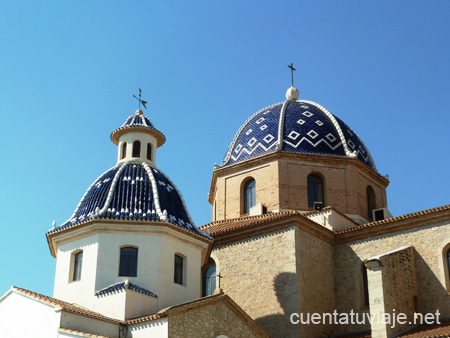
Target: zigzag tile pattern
{"points": [[307, 128]]}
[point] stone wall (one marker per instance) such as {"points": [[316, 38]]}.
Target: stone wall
{"points": [[315, 278], [276, 274], [259, 274], [392, 289], [428, 241], [209, 321]]}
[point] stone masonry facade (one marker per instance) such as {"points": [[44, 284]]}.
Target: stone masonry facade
{"points": [[428, 242], [209, 321]]}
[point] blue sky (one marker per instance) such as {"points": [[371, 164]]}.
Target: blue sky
{"points": [[68, 71]]}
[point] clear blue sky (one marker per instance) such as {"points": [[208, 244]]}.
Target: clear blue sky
{"points": [[68, 71]]}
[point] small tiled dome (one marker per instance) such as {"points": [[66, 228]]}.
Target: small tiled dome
{"points": [[138, 122], [133, 191], [299, 127]]}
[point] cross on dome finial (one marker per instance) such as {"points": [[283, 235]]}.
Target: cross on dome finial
{"points": [[140, 100], [291, 66], [292, 93]]}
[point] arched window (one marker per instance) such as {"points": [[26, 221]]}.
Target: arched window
{"points": [[136, 149], [124, 151], [315, 190], [149, 151], [370, 202], [128, 262], [209, 281], [365, 283], [178, 275], [77, 264], [448, 264], [249, 195]]}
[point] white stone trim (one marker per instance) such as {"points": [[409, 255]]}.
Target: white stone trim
{"points": [[143, 121], [281, 124], [181, 197], [84, 196], [341, 134], [161, 215], [336, 125], [228, 155], [111, 190]]}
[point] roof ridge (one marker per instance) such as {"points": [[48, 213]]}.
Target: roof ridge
{"points": [[67, 306], [244, 218], [396, 218]]}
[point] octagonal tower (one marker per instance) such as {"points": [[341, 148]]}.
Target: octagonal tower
{"points": [[296, 155], [131, 247]]}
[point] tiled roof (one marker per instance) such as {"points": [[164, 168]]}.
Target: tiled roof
{"points": [[123, 285], [434, 330], [302, 127], [133, 191], [66, 306], [237, 226], [364, 334], [395, 219], [230, 225], [81, 334], [143, 319], [138, 120]]}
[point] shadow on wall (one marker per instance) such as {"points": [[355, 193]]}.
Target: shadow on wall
{"points": [[279, 325], [432, 295]]}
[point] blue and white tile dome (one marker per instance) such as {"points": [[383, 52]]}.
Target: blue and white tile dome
{"points": [[133, 191], [296, 126], [138, 121]]}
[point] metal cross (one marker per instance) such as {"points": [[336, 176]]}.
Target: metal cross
{"points": [[140, 100], [291, 66], [219, 276]]}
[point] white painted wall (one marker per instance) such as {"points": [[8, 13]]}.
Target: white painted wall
{"points": [[21, 317], [79, 292], [155, 329], [76, 322], [331, 219], [144, 138], [157, 246], [173, 293]]}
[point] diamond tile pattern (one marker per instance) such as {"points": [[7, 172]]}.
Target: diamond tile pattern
{"points": [[263, 128], [307, 129]]}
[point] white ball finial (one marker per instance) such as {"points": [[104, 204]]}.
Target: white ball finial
{"points": [[292, 94]]}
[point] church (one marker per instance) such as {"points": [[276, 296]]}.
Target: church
{"points": [[301, 244]]}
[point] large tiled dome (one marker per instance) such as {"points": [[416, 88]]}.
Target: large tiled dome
{"points": [[133, 191], [299, 127]]}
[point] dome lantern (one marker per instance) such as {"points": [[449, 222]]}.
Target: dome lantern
{"points": [[138, 140]]}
